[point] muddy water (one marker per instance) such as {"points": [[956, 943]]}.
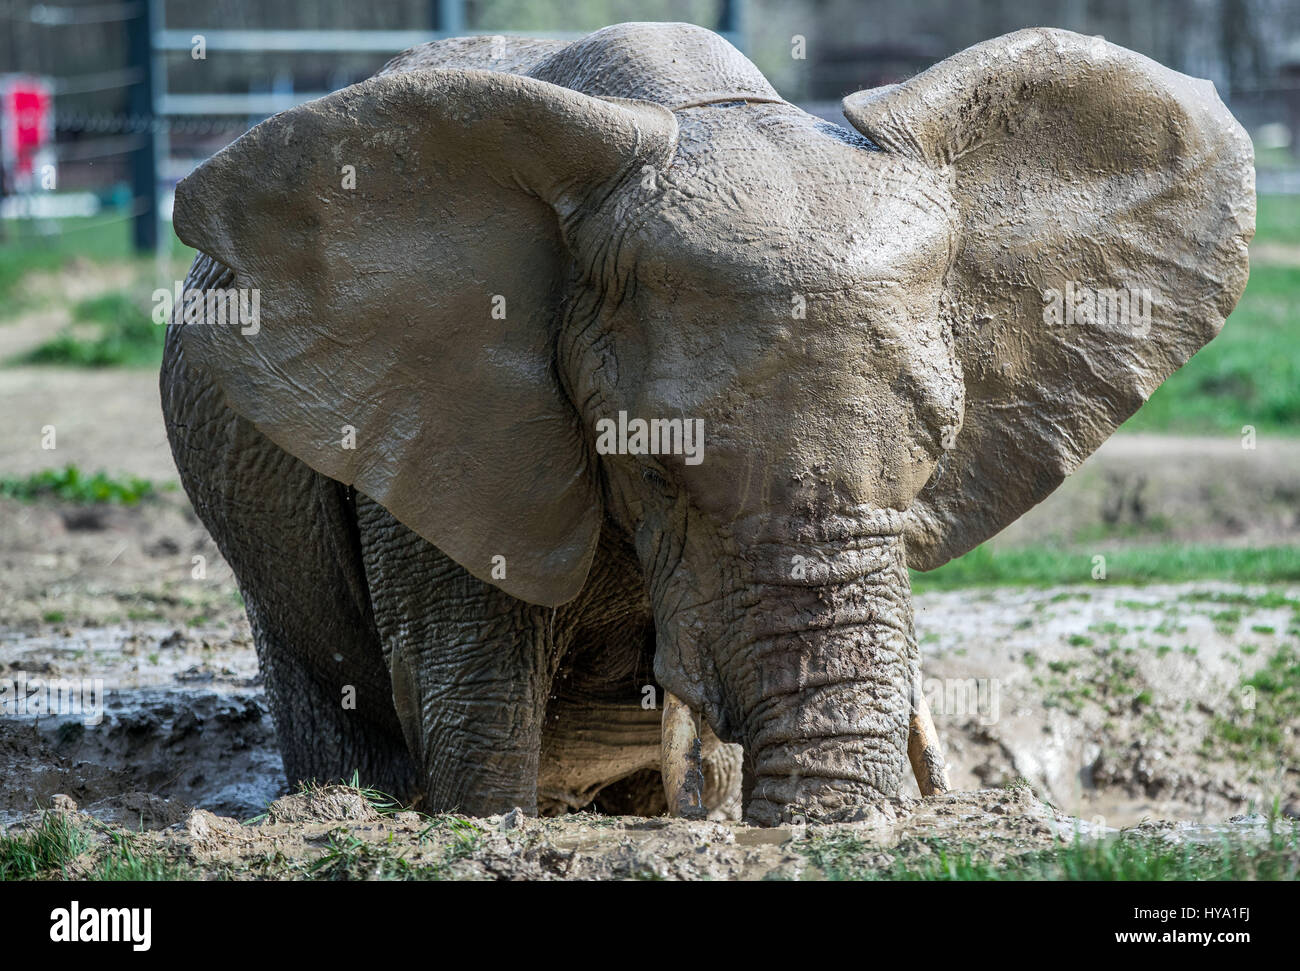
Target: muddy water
{"points": [[169, 714]]}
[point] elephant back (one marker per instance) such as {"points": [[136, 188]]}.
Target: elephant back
{"points": [[510, 55], [675, 65]]}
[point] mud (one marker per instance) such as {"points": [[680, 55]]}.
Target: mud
{"points": [[1076, 710], [337, 833]]}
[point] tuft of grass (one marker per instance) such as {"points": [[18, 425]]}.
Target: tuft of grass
{"points": [[380, 802], [125, 862], [1043, 567], [348, 857], [44, 851], [70, 484], [126, 336]]}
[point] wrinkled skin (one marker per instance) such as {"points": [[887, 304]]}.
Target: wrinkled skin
{"points": [[810, 294]]}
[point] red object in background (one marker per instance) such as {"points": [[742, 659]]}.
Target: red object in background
{"points": [[26, 126]]}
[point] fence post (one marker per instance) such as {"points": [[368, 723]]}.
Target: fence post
{"points": [[731, 22], [144, 170], [449, 16]]}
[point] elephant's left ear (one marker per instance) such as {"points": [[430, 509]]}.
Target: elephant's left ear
{"points": [[1106, 203]]}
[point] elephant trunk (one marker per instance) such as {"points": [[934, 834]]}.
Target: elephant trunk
{"points": [[826, 693]]}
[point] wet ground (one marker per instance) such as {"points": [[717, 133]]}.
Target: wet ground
{"points": [[1080, 709]]}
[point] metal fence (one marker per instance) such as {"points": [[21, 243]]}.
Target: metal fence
{"points": [[164, 132]]}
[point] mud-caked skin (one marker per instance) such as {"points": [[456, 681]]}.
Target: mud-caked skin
{"points": [[470, 262]]}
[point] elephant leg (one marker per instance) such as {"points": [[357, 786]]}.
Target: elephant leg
{"points": [[288, 533], [471, 670], [322, 732]]}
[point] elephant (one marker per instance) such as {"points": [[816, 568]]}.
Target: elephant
{"points": [[598, 400]]}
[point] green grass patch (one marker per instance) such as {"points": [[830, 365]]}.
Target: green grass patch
{"points": [[348, 857], [125, 335], [1041, 567], [1259, 734], [70, 484], [1128, 857], [42, 852], [1269, 599], [1277, 220], [104, 238], [125, 862]]}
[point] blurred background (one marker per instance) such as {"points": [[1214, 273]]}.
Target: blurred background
{"points": [[1171, 687], [118, 100]]}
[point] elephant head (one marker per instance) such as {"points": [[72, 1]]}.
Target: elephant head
{"points": [[897, 341]]}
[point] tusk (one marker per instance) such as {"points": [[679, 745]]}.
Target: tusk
{"points": [[923, 749], [680, 759]]}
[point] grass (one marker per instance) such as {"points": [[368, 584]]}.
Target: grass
{"points": [[1128, 857], [44, 850], [70, 484], [1267, 600], [100, 239], [1277, 220], [348, 857], [47, 850], [1258, 734], [1043, 567], [125, 336], [124, 862], [1250, 373]]}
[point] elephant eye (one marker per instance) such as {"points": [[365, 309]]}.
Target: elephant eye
{"points": [[654, 478]]}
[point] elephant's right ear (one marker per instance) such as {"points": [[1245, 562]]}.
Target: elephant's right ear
{"points": [[402, 238]]}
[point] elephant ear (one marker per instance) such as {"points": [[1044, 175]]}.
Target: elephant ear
{"points": [[1088, 179], [403, 240]]}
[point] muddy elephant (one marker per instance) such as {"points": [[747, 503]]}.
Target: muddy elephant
{"points": [[588, 378]]}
